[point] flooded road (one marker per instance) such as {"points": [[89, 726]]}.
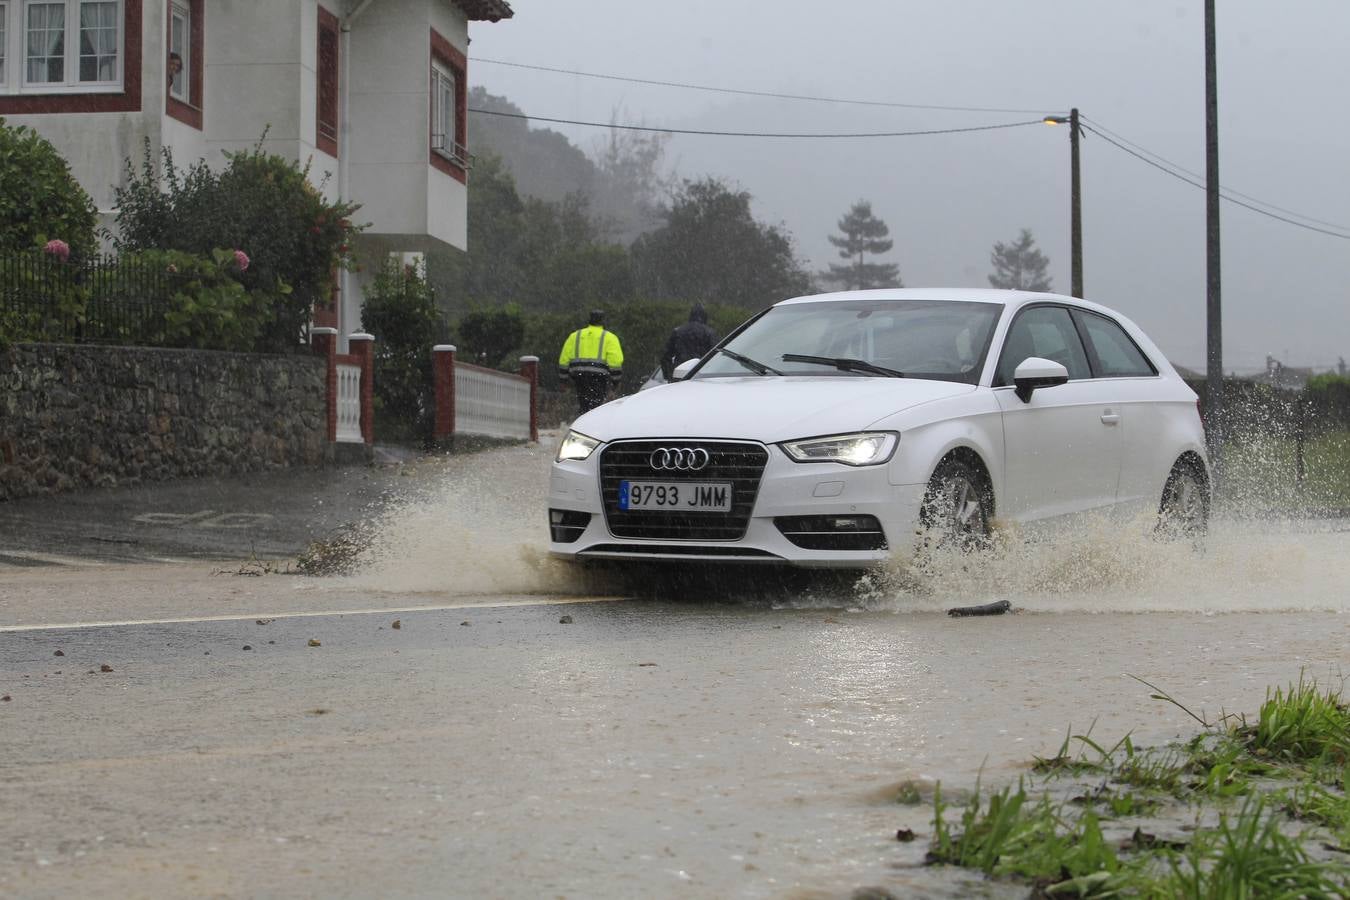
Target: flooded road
{"points": [[724, 739]]}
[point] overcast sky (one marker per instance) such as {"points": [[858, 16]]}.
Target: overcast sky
{"points": [[1136, 68]]}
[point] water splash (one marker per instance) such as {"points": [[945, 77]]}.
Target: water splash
{"points": [[477, 526], [1108, 567]]}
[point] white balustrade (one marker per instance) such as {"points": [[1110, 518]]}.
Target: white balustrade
{"points": [[490, 403], [349, 404]]}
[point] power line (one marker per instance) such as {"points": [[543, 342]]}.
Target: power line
{"points": [[1122, 143], [1226, 190], [750, 93], [1201, 185], [756, 134]]}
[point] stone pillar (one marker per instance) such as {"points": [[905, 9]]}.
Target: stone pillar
{"points": [[363, 347], [529, 367], [443, 376], [324, 343]]}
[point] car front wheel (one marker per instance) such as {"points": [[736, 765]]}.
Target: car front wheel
{"points": [[957, 507]]}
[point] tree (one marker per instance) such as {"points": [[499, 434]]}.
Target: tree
{"points": [[536, 254], [1019, 266], [863, 233], [400, 307], [712, 249]]}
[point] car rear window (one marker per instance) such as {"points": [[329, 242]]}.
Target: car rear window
{"points": [[1117, 355]]}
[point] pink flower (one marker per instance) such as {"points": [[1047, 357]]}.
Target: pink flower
{"points": [[58, 248], [241, 259]]}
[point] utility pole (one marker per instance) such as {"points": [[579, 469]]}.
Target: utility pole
{"points": [[1214, 406], [1076, 211]]}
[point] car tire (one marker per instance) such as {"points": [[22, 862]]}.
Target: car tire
{"points": [[1184, 510], [958, 507]]}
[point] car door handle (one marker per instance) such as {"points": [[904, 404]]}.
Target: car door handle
{"points": [[1110, 418]]}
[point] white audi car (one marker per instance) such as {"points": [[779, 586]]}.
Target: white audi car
{"points": [[838, 429]]}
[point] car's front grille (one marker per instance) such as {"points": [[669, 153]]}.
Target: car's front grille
{"points": [[739, 464]]}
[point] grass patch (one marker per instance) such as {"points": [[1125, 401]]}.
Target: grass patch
{"points": [[1261, 472], [1262, 810]]}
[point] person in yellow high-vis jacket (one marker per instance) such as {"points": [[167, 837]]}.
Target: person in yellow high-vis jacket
{"points": [[592, 358]]}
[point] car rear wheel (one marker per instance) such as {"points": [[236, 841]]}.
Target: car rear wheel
{"points": [[1184, 511], [957, 507]]}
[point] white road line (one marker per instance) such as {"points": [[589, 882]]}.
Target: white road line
{"points": [[309, 614]]}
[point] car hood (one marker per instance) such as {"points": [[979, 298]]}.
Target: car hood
{"points": [[768, 409]]}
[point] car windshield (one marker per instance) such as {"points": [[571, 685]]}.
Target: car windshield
{"points": [[944, 340]]}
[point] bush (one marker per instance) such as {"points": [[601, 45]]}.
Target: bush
{"points": [[39, 199], [489, 337], [261, 203], [642, 328], [400, 310], [205, 304]]}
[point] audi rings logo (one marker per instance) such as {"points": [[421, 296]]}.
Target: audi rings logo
{"points": [[680, 459]]}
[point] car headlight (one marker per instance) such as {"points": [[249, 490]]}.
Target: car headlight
{"points": [[868, 448], [576, 445]]}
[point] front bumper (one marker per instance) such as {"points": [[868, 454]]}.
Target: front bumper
{"points": [[786, 489]]}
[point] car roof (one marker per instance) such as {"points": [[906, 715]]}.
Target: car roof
{"points": [[957, 295]]}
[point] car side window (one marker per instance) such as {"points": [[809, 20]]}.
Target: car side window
{"points": [[1047, 332], [1117, 355]]}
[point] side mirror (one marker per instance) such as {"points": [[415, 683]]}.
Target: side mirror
{"points": [[683, 369], [1033, 373]]}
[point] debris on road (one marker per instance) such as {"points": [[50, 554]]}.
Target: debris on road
{"points": [[248, 647], [59, 653], [396, 624], [263, 622], [5, 698], [313, 642], [105, 668], [565, 620], [465, 622], [997, 608]]}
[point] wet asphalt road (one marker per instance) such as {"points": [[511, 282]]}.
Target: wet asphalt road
{"points": [[267, 514], [689, 749], [700, 745]]}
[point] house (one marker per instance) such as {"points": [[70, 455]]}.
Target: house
{"points": [[370, 92]]}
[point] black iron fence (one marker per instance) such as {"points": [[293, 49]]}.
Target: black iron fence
{"points": [[98, 300]]}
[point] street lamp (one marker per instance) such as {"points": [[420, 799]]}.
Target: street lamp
{"points": [[1075, 200]]}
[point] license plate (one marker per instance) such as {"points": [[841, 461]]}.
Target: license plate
{"points": [[686, 496]]}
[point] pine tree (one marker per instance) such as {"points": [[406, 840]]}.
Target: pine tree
{"points": [[1019, 265], [863, 233]]}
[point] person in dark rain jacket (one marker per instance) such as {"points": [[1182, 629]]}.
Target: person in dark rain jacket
{"points": [[689, 341]]}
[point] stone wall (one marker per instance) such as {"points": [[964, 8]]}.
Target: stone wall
{"points": [[80, 416]]}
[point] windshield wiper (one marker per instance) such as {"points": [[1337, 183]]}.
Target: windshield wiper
{"points": [[753, 365], [844, 364]]}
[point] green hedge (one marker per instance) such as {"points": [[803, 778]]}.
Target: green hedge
{"points": [[642, 328]]}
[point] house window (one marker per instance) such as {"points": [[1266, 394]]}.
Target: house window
{"points": [[444, 136], [326, 121], [4, 36], [180, 52], [50, 29], [448, 153]]}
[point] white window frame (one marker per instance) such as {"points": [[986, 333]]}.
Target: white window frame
{"points": [[14, 77], [4, 45], [445, 138], [182, 89]]}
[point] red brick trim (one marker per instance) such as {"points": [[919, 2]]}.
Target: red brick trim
{"points": [[127, 100], [445, 52], [327, 74], [189, 113]]}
